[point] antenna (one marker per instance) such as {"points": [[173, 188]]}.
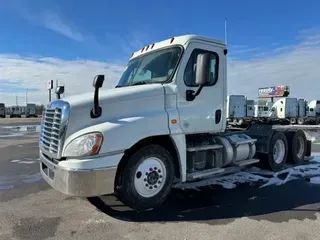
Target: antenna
{"points": [[225, 31]]}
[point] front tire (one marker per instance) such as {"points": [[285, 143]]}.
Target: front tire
{"points": [[146, 180]]}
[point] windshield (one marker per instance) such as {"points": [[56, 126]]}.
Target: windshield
{"points": [[155, 67]]}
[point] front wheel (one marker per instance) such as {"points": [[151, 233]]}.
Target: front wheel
{"points": [[146, 180]]}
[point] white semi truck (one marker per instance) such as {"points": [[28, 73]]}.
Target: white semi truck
{"points": [[297, 111], [2, 110], [31, 110], [15, 112], [164, 123]]}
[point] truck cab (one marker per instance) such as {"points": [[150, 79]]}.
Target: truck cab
{"points": [[164, 123], [2, 110], [15, 111], [261, 108], [313, 108], [31, 110]]}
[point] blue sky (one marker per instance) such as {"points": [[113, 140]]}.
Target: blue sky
{"points": [[99, 32]]}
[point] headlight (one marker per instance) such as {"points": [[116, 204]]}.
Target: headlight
{"points": [[85, 145]]}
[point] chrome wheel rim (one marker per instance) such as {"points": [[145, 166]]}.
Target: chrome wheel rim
{"points": [[150, 177], [278, 151]]}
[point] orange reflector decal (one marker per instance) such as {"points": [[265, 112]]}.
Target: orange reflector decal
{"points": [[174, 121]]}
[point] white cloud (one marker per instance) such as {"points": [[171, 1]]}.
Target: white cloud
{"points": [[296, 66], [54, 22], [47, 15], [31, 72]]}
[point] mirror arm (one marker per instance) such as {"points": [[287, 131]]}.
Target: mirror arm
{"points": [[198, 90], [191, 95]]}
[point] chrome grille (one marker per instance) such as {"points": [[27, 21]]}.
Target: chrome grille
{"points": [[50, 132], [53, 127]]}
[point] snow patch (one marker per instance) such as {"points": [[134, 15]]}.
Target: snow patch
{"points": [[11, 135], [315, 180], [25, 161], [257, 175]]}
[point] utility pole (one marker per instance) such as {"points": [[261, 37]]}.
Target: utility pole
{"points": [[16, 100], [26, 96], [225, 31]]}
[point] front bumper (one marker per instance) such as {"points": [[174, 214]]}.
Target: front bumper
{"points": [[78, 182]]}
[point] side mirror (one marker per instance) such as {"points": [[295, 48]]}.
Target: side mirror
{"points": [[203, 73], [203, 68], [98, 81], [96, 111], [59, 90]]}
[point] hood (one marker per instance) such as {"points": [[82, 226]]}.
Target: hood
{"points": [[116, 103]]}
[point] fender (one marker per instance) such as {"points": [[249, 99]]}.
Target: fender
{"points": [[121, 134]]}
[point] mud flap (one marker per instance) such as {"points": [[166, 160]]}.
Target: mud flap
{"points": [[309, 144]]}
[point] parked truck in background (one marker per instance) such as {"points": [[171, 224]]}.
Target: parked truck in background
{"points": [[285, 108], [31, 110], [2, 110], [15, 112], [164, 123]]}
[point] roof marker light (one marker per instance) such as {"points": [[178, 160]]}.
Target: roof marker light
{"points": [[152, 45], [147, 47], [142, 49], [172, 39]]}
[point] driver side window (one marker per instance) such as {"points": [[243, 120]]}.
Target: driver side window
{"points": [[142, 76], [190, 71]]}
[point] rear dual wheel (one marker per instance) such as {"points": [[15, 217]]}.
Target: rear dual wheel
{"points": [[278, 152], [297, 146], [291, 146]]}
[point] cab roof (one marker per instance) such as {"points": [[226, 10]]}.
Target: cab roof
{"points": [[180, 40]]}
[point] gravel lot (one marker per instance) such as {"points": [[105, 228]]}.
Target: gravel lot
{"points": [[30, 209]]}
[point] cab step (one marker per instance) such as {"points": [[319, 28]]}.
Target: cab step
{"points": [[204, 147], [246, 162], [205, 173]]}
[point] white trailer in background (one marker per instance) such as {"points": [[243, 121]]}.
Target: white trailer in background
{"points": [[31, 110], [2, 110]]}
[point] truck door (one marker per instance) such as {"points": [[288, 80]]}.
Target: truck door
{"points": [[206, 113]]}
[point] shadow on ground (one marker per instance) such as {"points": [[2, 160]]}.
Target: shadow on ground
{"points": [[216, 205]]}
